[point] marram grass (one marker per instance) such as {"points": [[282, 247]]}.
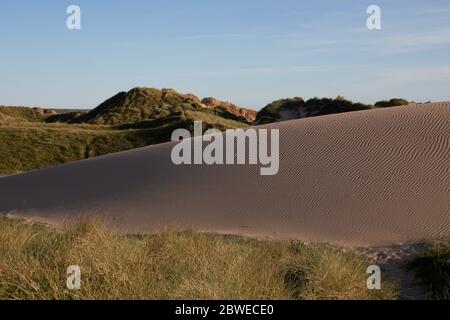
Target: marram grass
{"points": [[172, 265]]}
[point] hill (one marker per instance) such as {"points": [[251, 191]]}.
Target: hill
{"points": [[297, 108], [141, 104], [33, 138], [20, 114]]}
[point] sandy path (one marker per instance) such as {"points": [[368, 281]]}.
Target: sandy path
{"points": [[373, 177]]}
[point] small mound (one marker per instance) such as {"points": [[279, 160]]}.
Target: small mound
{"points": [[141, 104], [297, 108], [20, 114]]}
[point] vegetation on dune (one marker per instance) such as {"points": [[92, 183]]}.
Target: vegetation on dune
{"points": [[324, 106], [298, 108], [211, 120], [134, 106], [67, 117], [141, 104], [29, 146], [34, 138], [21, 114], [172, 265], [395, 102], [272, 112], [38, 138], [432, 268]]}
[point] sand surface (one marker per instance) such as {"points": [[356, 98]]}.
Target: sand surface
{"points": [[366, 178]]}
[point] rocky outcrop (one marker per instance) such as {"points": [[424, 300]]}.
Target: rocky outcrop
{"points": [[248, 114]]}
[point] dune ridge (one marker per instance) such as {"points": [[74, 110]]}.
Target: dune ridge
{"points": [[363, 178]]}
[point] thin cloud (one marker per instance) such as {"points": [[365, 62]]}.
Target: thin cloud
{"points": [[265, 70], [405, 76], [436, 10], [237, 36], [437, 37], [395, 78], [385, 43]]}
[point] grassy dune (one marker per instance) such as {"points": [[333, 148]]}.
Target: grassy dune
{"points": [[20, 114], [27, 145], [310, 108], [172, 265]]}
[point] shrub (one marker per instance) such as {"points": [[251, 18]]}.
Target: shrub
{"points": [[395, 102], [432, 268]]}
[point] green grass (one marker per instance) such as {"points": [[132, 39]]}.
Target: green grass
{"points": [[212, 120], [394, 102], [432, 268], [27, 145], [140, 104], [172, 265]]}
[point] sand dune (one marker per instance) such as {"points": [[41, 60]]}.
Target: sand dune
{"points": [[362, 178]]}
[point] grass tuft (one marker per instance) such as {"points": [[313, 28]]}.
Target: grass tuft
{"points": [[172, 265]]}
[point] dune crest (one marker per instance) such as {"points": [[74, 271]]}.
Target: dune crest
{"points": [[361, 178]]}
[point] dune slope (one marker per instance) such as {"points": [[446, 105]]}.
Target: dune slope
{"points": [[362, 178]]}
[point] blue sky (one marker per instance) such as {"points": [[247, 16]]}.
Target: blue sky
{"points": [[249, 51]]}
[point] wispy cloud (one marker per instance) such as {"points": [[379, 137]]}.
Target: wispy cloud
{"points": [[403, 76], [423, 39], [391, 79], [258, 71], [237, 36], [436, 10], [386, 43]]}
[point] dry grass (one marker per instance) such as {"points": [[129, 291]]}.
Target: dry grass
{"points": [[214, 121], [172, 265], [20, 114]]}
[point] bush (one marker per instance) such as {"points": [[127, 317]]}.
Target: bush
{"points": [[432, 268], [271, 112], [311, 108], [395, 102]]}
